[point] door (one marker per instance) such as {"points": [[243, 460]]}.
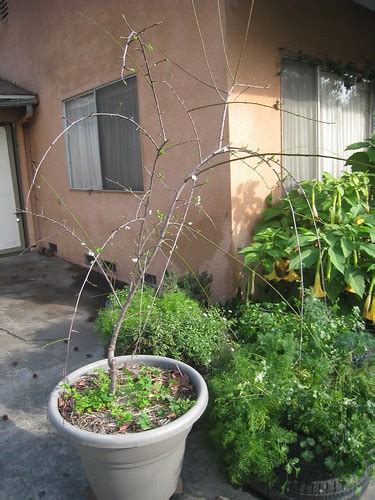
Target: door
{"points": [[11, 229]]}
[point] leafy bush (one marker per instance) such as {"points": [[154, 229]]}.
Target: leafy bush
{"points": [[196, 286], [336, 235], [172, 325], [363, 161], [291, 395]]}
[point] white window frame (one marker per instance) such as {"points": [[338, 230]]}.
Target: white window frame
{"points": [[371, 114], [67, 153]]}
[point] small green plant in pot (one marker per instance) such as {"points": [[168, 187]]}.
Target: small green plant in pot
{"points": [[172, 325], [296, 400]]}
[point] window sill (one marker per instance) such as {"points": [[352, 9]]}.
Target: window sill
{"points": [[85, 190]]}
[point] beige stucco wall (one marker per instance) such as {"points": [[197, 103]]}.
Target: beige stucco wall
{"points": [[51, 49]]}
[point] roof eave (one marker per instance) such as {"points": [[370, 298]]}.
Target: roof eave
{"points": [[12, 101]]}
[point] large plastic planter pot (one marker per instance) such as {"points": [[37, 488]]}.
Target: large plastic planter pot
{"points": [[140, 466]]}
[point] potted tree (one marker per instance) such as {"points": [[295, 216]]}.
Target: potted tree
{"points": [[132, 439]]}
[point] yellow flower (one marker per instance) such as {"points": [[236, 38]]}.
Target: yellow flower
{"points": [[281, 271], [370, 314], [366, 306], [292, 276], [272, 276], [359, 220], [318, 291]]}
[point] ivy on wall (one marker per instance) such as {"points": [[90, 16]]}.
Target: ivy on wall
{"points": [[348, 72]]}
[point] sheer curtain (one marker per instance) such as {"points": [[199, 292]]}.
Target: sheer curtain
{"points": [[299, 126], [83, 144], [349, 110], [318, 97]]}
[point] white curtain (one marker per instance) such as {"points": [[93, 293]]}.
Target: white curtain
{"points": [[349, 110], [299, 126], [318, 97], [83, 144]]}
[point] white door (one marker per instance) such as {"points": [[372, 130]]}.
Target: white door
{"points": [[10, 226]]}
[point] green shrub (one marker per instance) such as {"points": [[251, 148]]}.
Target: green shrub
{"points": [[282, 402], [197, 287], [172, 325], [335, 222]]}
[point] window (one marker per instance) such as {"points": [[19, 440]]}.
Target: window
{"points": [[104, 152], [320, 97], [3, 10]]}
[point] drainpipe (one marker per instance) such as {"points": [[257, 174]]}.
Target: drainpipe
{"points": [[28, 115], [21, 122]]}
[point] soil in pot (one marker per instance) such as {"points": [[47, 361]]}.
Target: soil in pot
{"points": [[147, 397]]}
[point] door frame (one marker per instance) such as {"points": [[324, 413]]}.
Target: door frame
{"points": [[14, 171]]}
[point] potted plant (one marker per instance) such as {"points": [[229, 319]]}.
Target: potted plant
{"points": [[132, 440], [136, 465], [293, 409]]}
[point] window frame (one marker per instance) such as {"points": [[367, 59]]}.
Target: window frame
{"points": [[67, 153], [317, 68]]}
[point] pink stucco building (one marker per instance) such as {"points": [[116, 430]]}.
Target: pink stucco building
{"points": [[64, 59]]}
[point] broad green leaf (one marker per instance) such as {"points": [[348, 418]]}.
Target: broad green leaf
{"points": [[309, 257], [358, 145], [341, 190], [356, 209], [371, 153], [369, 219], [269, 200], [335, 285], [303, 239], [350, 201], [272, 212], [346, 246], [355, 279], [369, 249], [359, 160], [250, 258], [337, 257], [331, 238], [245, 250]]}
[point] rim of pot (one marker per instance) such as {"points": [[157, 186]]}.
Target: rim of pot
{"points": [[137, 439]]}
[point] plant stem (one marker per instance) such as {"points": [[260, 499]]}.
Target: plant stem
{"points": [[328, 268], [355, 258], [333, 209]]}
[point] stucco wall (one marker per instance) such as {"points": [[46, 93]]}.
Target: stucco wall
{"points": [[336, 29], [52, 50]]}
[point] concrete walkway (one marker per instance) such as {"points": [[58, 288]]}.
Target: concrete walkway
{"points": [[37, 296]]}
